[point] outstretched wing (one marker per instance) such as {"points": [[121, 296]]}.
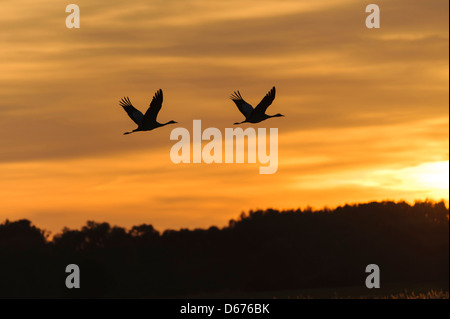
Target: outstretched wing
{"points": [[265, 102], [245, 108], [153, 110], [132, 112]]}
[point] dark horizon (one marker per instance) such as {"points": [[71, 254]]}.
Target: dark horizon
{"points": [[50, 234], [264, 251]]}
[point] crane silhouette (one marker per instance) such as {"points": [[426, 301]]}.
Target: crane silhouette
{"points": [[146, 122], [257, 114]]}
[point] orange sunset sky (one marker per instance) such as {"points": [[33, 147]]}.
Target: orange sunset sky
{"points": [[367, 110]]}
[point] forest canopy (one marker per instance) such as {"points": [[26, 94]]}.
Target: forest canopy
{"points": [[263, 250]]}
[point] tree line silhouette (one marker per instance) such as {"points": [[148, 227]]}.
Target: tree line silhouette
{"points": [[264, 250]]}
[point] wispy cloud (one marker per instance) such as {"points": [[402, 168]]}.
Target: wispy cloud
{"points": [[356, 100]]}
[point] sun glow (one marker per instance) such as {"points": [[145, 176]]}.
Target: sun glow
{"points": [[430, 179], [432, 175]]}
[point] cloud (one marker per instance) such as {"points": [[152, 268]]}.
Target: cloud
{"points": [[356, 100]]}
